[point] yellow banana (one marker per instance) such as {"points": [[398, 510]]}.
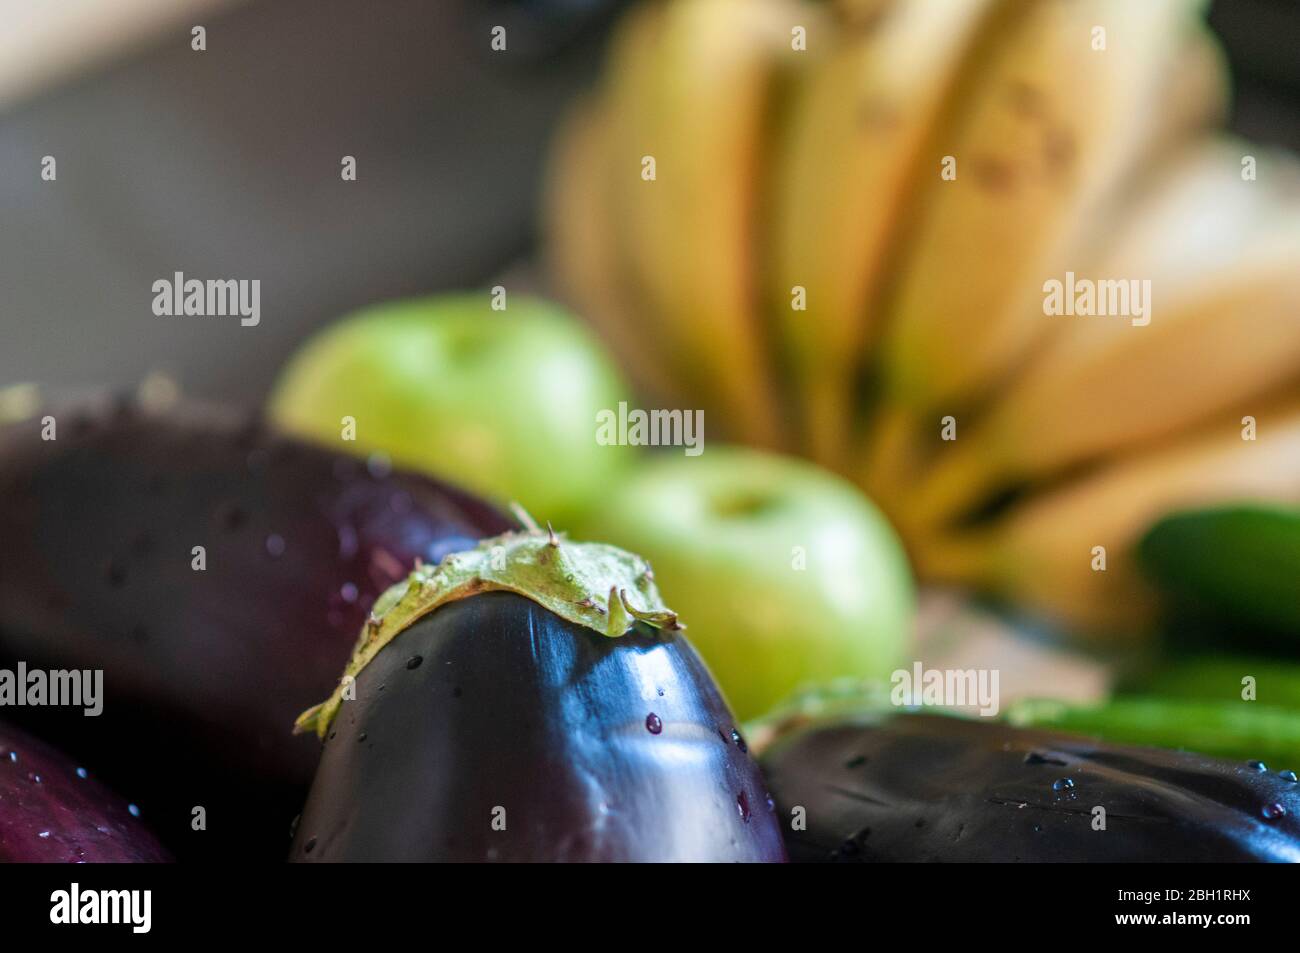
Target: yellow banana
{"points": [[692, 90], [846, 162], [1042, 554], [1222, 258], [580, 248], [1194, 96], [862, 14], [1052, 122]]}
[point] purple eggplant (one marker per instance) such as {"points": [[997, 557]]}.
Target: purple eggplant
{"points": [[491, 728], [52, 811], [912, 787], [207, 653]]}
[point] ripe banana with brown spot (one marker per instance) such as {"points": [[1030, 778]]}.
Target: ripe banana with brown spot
{"points": [[691, 86], [1049, 128], [1190, 85], [1222, 256], [1041, 555], [861, 117]]}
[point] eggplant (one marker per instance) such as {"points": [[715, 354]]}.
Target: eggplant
{"points": [[914, 787], [525, 725], [204, 668], [52, 811]]}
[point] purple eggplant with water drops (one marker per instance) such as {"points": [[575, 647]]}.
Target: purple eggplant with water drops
{"points": [[217, 573], [913, 787], [531, 699], [54, 811]]}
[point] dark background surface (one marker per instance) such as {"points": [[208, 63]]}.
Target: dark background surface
{"points": [[225, 164]]}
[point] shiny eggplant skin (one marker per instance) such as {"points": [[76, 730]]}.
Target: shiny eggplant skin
{"points": [[204, 670], [52, 811], [912, 787], [586, 748]]}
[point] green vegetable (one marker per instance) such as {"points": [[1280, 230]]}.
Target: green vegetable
{"points": [[1230, 729], [1274, 683], [1239, 566]]}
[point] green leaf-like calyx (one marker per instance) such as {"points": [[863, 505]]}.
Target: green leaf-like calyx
{"points": [[601, 587]]}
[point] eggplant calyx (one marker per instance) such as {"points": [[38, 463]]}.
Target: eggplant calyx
{"points": [[601, 587]]}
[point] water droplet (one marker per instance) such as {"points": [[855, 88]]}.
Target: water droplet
{"points": [[653, 723], [34, 778], [275, 545], [13, 756], [1063, 784], [771, 803], [308, 847], [742, 805], [133, 810], [738, 740], [1257, 765], [43, 834], [1273, 812], [362, 736], [1287, 775], [83, 773], [414, 661]]}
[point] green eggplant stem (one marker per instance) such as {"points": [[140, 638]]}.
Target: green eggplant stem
{"points": [[585, 583]]}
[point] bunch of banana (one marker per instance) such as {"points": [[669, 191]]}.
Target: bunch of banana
{"points": [[838, 226]]}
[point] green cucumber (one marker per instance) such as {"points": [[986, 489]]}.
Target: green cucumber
{"points": [[1246, 731], [1237, 567]]}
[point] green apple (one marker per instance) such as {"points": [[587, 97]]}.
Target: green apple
{"points": [[503, 403], [784, 575]]}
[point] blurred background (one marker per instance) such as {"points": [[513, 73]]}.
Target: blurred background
{"points": [[227, 162]]}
